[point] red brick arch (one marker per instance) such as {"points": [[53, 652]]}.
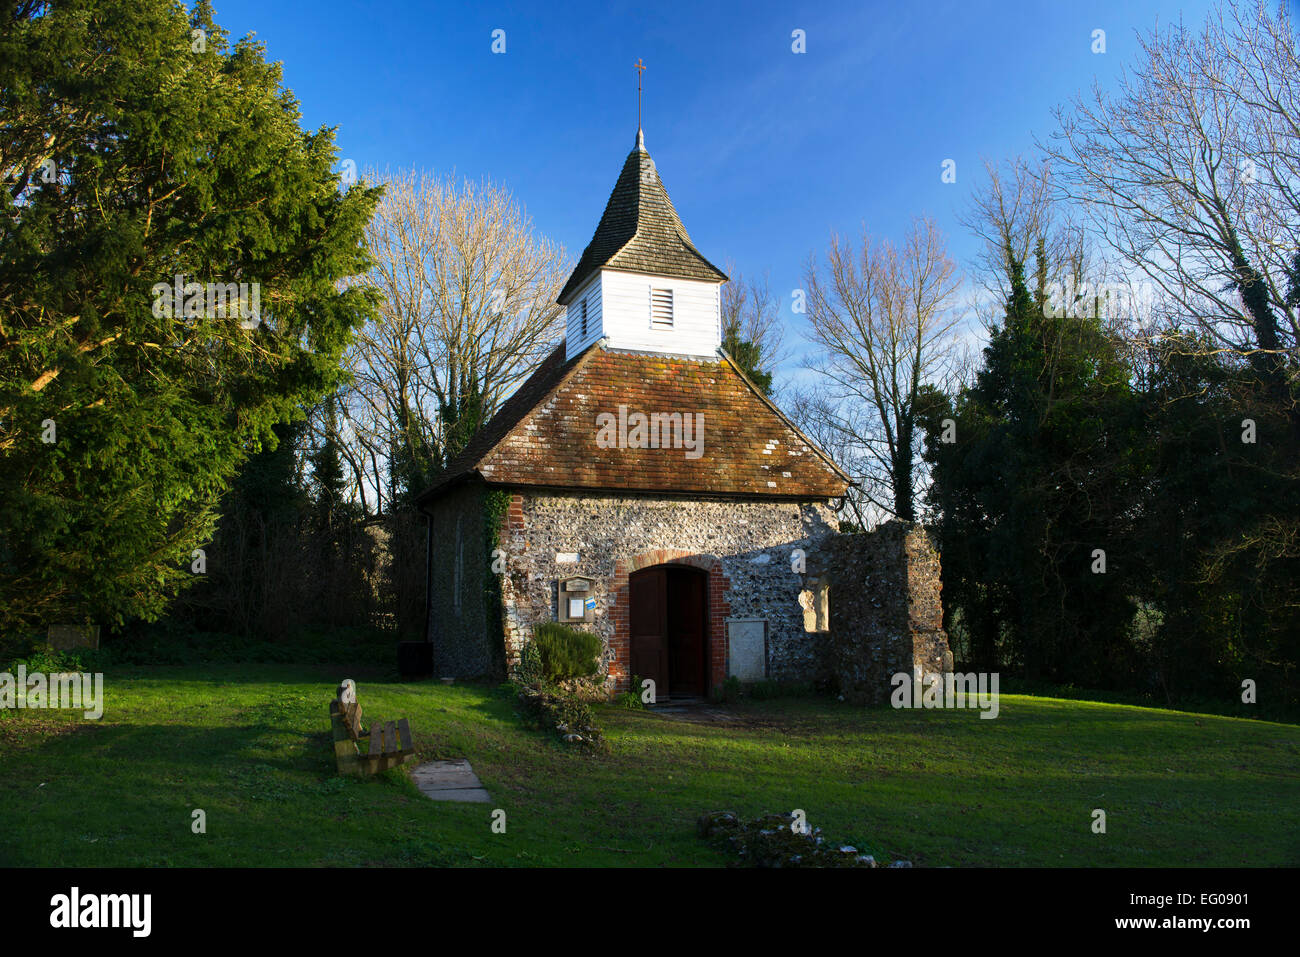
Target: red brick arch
{"points": [[619, 600]]}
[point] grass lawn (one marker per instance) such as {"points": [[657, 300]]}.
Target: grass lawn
{"points": [[250, 745]]}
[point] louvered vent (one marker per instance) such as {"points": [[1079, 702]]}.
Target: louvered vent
{"points": [[584, 318], [661, 308]]}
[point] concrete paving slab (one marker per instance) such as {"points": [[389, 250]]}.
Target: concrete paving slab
{"points": [[449, 781], [466, 795]]}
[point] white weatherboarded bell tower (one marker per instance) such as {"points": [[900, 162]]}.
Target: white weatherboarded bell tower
{"points": [[641, 284]]}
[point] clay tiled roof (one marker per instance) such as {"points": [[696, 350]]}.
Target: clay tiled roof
{"points": [[548, 435], [640, 231]]}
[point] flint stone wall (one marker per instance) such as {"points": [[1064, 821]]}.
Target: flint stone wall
{"points": [[886, 612], [884, 591], [752, 540]]}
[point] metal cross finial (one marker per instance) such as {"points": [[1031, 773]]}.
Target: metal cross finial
{"points": [[640, 68]]}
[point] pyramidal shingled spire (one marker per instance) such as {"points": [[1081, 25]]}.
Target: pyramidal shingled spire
{"points": [[640, 231]]}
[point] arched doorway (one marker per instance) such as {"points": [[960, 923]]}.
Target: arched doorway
{"points": [[669, 634]]}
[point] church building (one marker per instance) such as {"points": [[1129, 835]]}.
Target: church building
{"points": [[637, 485]]}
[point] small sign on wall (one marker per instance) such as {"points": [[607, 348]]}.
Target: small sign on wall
{"points": [[576, 599]]}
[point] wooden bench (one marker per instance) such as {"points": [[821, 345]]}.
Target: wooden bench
{"points": [[389, 744]]}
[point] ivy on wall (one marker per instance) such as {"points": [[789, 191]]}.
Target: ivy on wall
{"points": [[495, 504]]}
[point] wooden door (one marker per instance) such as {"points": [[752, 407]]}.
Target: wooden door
{"points": [[648, 617], [686, 631]]}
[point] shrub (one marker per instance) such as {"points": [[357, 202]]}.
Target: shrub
{"points": [[729, 691], [632, 697], [555, 654], [564, 714], [50, 661], [529, 670], [566, 652]]}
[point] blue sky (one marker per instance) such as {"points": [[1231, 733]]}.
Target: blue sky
{"points": [[764, 151]]}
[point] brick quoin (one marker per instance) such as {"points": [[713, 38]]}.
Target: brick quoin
{"points": [[619, 601], [515, 512]]}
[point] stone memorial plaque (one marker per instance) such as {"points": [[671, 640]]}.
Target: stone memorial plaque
{"points": [[747, 648]]}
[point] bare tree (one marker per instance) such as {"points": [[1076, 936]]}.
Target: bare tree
{"points": [[750, 313], [1010, 212], [1190, 172], [821, 417], [881, 316], [1019, 215], [468, 310]]}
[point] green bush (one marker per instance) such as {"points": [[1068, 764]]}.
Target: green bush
{"points": [[566, 652], [556, 653], [632, 698], [49, 661], [729, 691], [529, 670], [564, 714]]}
